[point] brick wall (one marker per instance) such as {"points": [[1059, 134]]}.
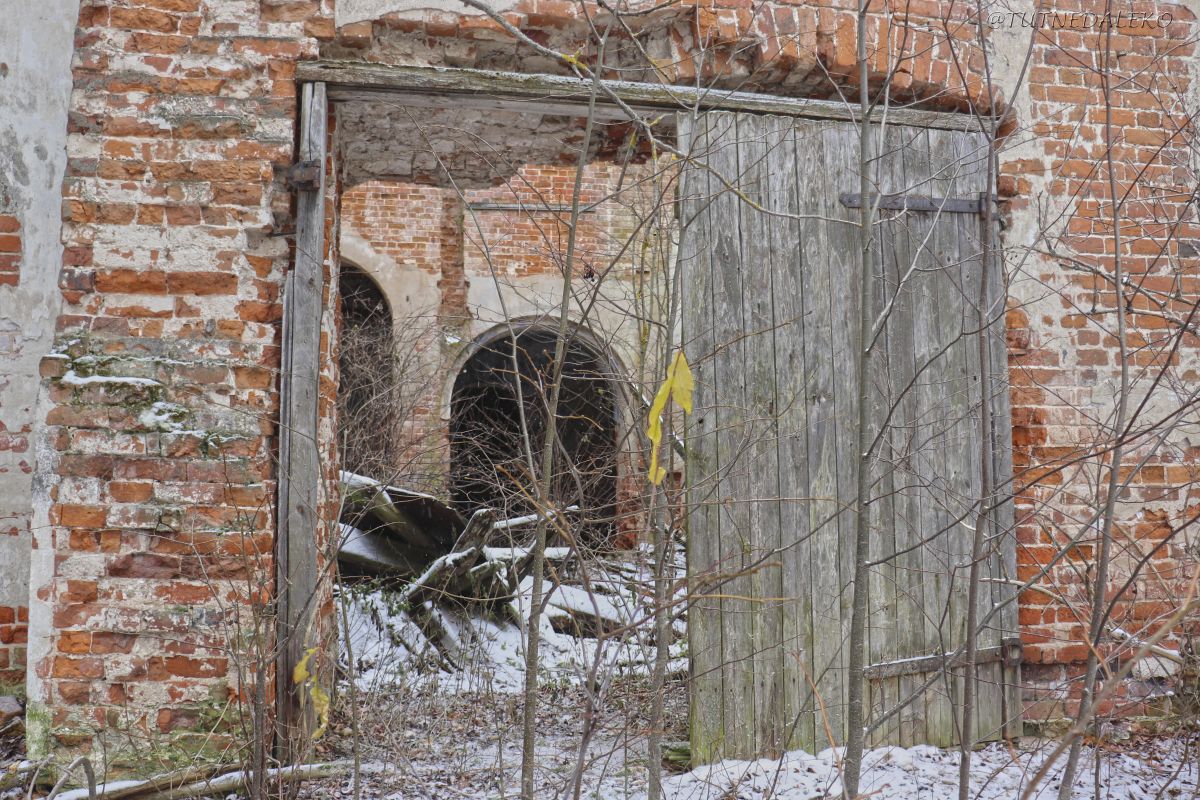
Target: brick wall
{"points": [[489, 253], [14, 458], [152, 529], [159, 423], [1065, 364], [800, 49]]}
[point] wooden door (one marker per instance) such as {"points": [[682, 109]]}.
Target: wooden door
{"points": [[771, 253]]}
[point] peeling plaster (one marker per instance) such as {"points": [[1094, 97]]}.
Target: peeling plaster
{"points": [[36, 45]]}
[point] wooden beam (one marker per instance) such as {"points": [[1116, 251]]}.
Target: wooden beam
{"points": [[1007, 653], [441, 86], [299, 476], [919, 202]]}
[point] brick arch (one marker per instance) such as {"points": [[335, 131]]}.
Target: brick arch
{"points": [[626, 454]]}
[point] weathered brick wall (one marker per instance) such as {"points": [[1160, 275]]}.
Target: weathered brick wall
{"points": [[789, 48], [153, 510], [1065, 362], [14, 448], [35, 83], [158, 429]]}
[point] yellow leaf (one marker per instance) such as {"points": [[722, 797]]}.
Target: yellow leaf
{"points": [[679, 386], [682, 383], [320, 701], [307, 682], [300, 674]]}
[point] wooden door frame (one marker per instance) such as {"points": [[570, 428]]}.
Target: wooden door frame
{"points": [[321, 85]]}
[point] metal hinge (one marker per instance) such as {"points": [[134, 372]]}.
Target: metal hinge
{"points": [[922, 202], [305, 176]]}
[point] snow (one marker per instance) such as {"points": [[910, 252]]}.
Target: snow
{"points": [[354, 481], [389, 648], [163, 416], [930, 773], [72, 378], [457, 724], [516, 522], [82, 794]]}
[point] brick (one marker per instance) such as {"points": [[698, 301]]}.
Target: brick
{"points": [[144, 565], [201, 283], [82, 516], [89, 668]]}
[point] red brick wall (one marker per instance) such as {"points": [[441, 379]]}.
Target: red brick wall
{"points": [[801, 49], [10, 249], [422, 227], [162, 387], [14, 631], [181, 125], [1064, 357]]}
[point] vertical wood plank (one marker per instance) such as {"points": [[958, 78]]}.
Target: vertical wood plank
{"points": [[757, 137], [797, 185], [733, 441], [904, 233], [925, 450], [846, 280], [885, 630], [704, 624], [300, 465], [966, 438], [814, 145]]}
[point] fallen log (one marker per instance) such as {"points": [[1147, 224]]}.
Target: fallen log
{"points": [[219, 785]]}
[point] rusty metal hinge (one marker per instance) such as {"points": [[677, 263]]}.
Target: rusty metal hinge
{"points": [[305, 175], [922, 202]]}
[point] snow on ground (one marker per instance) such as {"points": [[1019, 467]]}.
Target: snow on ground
{"points": [[1142, 770], [454, 734], [480, 761]]}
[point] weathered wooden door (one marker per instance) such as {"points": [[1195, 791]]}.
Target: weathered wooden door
{"points": [[772, 285]]}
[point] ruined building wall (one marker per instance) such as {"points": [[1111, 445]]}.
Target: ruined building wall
{"points": [[156, 433], [1065, 363], [35, 82], [153, 480], [453, 270]]}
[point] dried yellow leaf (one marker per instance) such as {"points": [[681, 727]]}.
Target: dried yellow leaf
{"points": [[679, 386]]}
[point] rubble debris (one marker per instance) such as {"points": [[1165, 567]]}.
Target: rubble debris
{"points": [[391, 531], [387, 531]]}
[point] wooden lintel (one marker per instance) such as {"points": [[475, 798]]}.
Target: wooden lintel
{"points": [[353, 80]]}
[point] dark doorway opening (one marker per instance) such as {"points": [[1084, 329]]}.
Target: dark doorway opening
{"points": [[366, 418], [488, 456]]}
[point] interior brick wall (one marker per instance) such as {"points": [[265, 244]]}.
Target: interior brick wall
{"points": [[10, 249], [460, 242]]}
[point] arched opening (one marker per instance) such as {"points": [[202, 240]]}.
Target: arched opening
{"points": [[488, 455], [365, 364]]}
